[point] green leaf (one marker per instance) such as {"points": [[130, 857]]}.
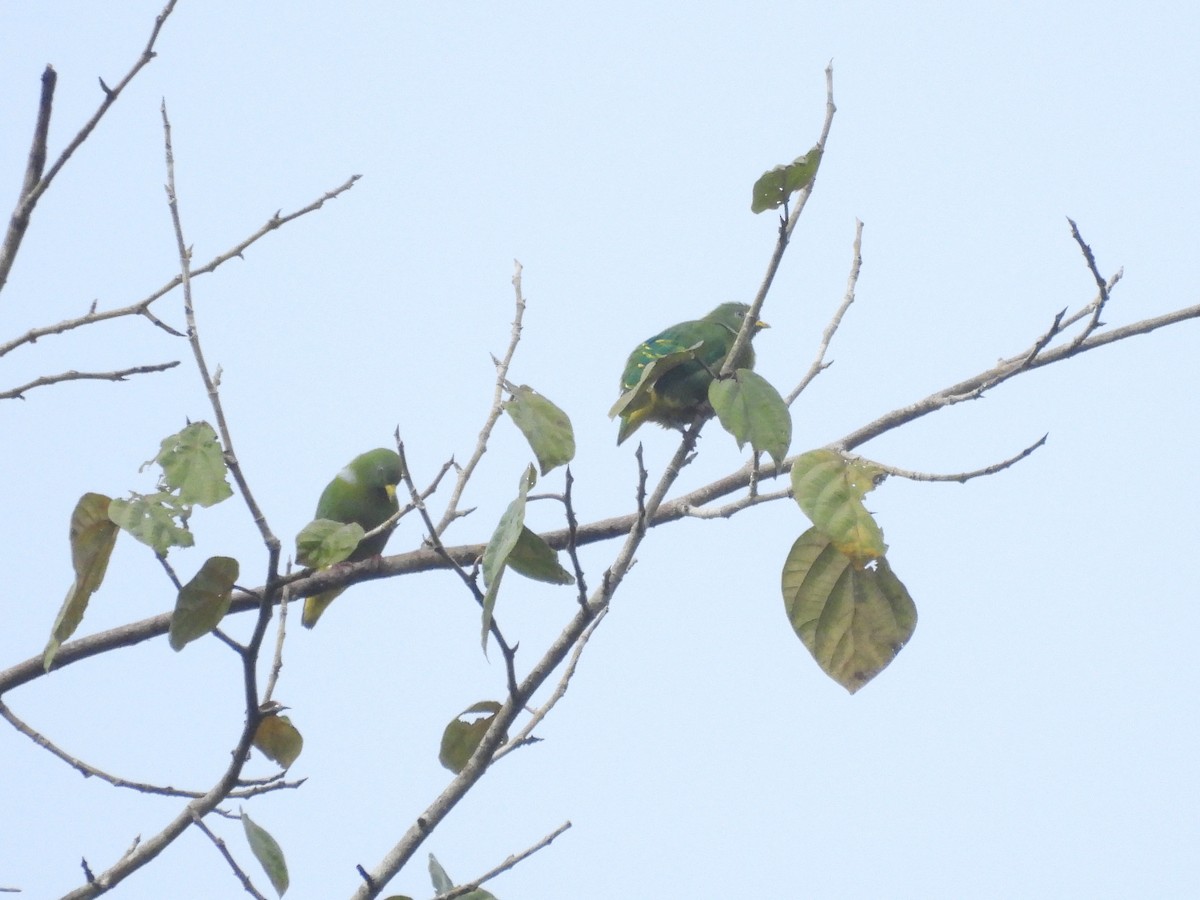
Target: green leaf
{"points": [[193, 465], [462, 736], [92, 536], [203, 601], [775, 186], [639, 395], [278, 740], [442, 882], [853, 621], [151, 518], [324, 542], [268, 853], [501, 544], [534, 558], [544, 425], [751, 410], [829, 488]]}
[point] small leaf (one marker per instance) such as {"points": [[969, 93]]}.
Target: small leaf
{"points": [[193, 465], [278, 740], [92, 536], [544, 425], [534, 558], [441, 881], [775, 186], [151, 518], [203, 601], [463, 735], [829, 488], [268, 853], [639, 395], [853, 621], [751, 410], [324, 542], [501, 544]]}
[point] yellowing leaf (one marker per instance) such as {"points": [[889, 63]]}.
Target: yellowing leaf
{"points": [[324, 542], [194, 466], [853, 621], [278, 740], [462, 736], [829, 488], [774, 187], [268, 853], [751, 410], [203, 601], [92, 536], [544, 425]]}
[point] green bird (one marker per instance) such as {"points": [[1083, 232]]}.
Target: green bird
{"points": [[679, 392], [363, 492]]}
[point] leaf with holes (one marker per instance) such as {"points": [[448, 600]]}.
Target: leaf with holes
{"points": [[774, 187], [853, 621], [462, 736], [194, 466], [830, 488]]}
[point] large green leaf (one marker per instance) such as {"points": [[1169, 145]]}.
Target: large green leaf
{"points": [[193, 465], [829, 488], [752, 410], [775, 186], [853, 621], [462, 736], [544, 425], [268, 853], [203, 601], [92, 536], [534, 558], [501, 544], [158, 520], [323, 542], [278, 739]]}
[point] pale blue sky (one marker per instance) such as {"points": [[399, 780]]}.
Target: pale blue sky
{"points": [[1037, 737]]}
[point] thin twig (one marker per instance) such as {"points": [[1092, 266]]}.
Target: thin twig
{"points": [[18, 223], [819, 364], [485, 433], [474, 885], [963, 477], [18, 393], [140, 308], [219, 843]]}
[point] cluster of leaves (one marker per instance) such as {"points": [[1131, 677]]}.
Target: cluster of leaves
{"points": [[841, 596]]}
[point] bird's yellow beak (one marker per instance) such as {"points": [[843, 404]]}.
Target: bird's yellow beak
{"points": [[391, 491]]}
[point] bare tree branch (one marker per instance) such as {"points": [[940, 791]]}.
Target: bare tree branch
{"points": [[18, 393], [474, 885]]}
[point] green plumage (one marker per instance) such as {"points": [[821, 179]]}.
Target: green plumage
{"points": [[364, 492], [680, 393]]}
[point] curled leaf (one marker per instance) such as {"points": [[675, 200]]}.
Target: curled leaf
{"points": [[775, 186], [462, 736]]}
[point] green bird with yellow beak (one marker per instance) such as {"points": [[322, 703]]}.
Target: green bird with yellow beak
{"points": [[679, 394], [364, 492]]}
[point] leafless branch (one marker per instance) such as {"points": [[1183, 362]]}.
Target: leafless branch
{"points": [[819, 364], [474, 885], [464, 474], [141, 307], [964, 477], [18, 393]]}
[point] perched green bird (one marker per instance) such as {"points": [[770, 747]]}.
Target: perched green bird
{"points": [[363, 492], [678, 392]]}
